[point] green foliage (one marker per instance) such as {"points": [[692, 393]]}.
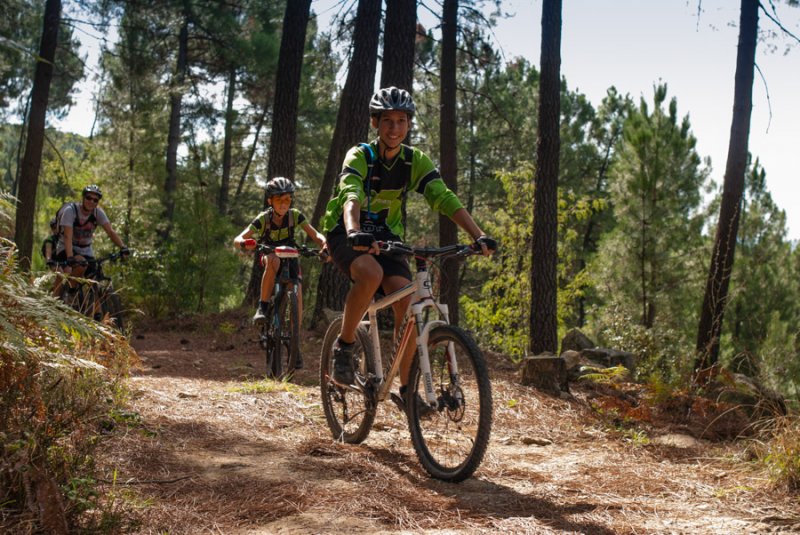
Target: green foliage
{"points": [[760, 331], [662, 354], [605, 376], [501, 314], [20, 36], [648, 265], [189, 273]]}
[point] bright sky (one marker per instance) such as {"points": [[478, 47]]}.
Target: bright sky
{"points": [[634, 44]]}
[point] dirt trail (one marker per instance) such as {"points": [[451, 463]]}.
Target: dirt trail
{"points": [[203, 455]]}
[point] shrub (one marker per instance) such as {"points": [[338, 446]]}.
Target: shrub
{"points": [[59, 378]]}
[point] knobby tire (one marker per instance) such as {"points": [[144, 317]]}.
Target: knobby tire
{"points": [[291, 334], [451, 441], [349, 413]]}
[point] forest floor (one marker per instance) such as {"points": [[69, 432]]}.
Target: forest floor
{"points": [[209, 447]]}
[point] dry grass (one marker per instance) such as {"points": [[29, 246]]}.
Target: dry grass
{"points": [[216, 451]]}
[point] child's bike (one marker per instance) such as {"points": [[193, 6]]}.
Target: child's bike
{"points": [[449, 398], [279, 334]]}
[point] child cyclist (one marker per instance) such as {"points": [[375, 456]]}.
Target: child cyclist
{"points": [[275, 226]]}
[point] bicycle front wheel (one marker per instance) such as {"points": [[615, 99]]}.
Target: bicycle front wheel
{"points": [[451, 440], [287, 335], [349, 412]]}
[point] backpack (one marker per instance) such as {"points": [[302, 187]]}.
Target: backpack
{"points": [[268, 225], [91, 220]]}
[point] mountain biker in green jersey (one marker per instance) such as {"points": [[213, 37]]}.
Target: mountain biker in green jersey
{"points": [[357, 216], [275, 226]]}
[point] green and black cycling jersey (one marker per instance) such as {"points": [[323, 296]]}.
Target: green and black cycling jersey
{"points": [[268, 233], [381, 210]]}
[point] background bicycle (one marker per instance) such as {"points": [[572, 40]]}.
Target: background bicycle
{"points": [[279, 335], [449, 400], [94, 295]]}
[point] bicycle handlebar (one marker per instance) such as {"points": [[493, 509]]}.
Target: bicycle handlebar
{"points": [[112, 257], [302, 249], [400, 248]]}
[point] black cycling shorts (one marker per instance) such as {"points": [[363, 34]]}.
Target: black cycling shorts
{"points": [[343, 255]]}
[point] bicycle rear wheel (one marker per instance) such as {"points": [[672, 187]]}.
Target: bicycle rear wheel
{"points": [[349, 413], [451, 440]]}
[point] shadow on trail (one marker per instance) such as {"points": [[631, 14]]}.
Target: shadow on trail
{"points": [[482, 500]]}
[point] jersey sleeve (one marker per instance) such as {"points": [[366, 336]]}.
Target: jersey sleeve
{"points": [[427, 181], [299, 218], [351, 179], [68, 216], [258, 224], [102, 217]]}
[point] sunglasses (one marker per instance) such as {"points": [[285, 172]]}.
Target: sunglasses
{"points": [[93, 199]]}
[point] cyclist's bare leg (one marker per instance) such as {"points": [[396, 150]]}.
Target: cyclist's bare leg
{"points": [[271, 264], [392, 284], [74, 271], [366, 274]]}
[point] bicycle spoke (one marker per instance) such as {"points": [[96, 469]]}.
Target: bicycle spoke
{"points": [[452, 439], [349, 412]]}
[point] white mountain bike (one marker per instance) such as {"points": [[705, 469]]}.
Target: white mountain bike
{"points": [[448, 374]]}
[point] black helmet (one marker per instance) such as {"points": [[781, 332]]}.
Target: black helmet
{"points": [[391, 99], [279, 185], [91, 188]]}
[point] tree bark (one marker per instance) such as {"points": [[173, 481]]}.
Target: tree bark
{"points": [[352, 126], [543, 318], [174, 135], [400, 32], [716, 293], [222, 199], [283, 142], [32, 160], [448, 152]]}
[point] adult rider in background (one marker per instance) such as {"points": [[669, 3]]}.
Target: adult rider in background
{"points": [[357, 216], [77, 222]]}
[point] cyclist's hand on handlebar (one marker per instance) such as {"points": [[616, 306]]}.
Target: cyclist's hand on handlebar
{"points": [[485, 244], [249, 244], [124, 253], [324, 254], [362, 241]]}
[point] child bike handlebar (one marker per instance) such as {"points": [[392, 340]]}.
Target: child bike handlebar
{"points": [[291, 251]]}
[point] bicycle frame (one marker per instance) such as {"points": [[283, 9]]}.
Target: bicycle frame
{"points": [[421, 288]]}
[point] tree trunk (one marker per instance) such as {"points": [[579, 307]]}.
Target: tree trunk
{"points": [[222, 199], [448, 154], [352, 120], [283, 143], [716, 293], [174, 135], [543, 321], [259, 125], [32, 160], [352, 123], [399, 36]]}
